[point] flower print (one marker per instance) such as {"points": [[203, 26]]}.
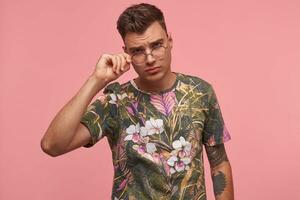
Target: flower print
{"points": [[143, 131], [180, 156], [139, 148], [133, 133], [122, 185], [176, 164], [176, 144], [147, 151], [183, 87], [151, 148], [145, 148], [154, 126], [182, 147], [171, 161], [132, 108], [179, 166], [115, 98], [139, 135], [164, 103]]}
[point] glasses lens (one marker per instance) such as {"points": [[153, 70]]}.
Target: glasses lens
{"points": [[158, 52], [139, 58]]}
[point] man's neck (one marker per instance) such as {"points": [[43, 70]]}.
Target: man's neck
{"points": [[161, 85]]}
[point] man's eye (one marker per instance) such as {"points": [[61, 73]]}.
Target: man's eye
{"points": [[138, 51], [157, 45]]}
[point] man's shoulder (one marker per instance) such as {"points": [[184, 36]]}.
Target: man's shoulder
{"points": [[194, 80], [116, 87]]}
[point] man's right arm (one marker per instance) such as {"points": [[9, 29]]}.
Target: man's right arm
{"points": [[65, 133]]}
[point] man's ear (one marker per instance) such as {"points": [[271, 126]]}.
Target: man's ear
{"points": [[170, 39]]}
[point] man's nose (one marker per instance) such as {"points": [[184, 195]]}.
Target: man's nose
{"points": [[149, 58]]}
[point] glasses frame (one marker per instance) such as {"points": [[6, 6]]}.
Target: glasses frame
{"points": [[151, 53]]}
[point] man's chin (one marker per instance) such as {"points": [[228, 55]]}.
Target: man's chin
{"points": [[153, 77]]}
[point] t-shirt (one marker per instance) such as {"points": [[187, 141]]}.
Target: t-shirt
{"points": [[157, 139]]}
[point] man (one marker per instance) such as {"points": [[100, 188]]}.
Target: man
{"points": [[156, 124]]}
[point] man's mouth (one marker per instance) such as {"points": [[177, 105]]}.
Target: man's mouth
{"points": [[152, 69]]}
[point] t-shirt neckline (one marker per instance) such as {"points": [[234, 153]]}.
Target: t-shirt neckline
{"points": [[160, 92]]}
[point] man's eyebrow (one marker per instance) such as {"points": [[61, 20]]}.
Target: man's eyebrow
{"points": [[135, 48], [151, 43], [157, 41]]}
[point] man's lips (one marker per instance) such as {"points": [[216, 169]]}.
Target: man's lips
{"points": [[150, 69]]}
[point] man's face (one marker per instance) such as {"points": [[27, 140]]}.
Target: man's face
{"points": [[157, 65]]}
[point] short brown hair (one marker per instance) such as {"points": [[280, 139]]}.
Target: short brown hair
{"points": [[137, 18]]}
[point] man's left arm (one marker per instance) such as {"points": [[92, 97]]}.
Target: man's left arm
{"points": [[220, 172]]}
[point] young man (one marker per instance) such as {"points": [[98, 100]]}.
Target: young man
{"points": [[156, 124]]}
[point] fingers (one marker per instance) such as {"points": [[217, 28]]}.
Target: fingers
{"points": [[121, 63], [121, 60], [118, 64], [127, 57], [128, 61]]}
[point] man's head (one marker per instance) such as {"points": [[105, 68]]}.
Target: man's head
{"points": [[137, 18], [145, 36]]}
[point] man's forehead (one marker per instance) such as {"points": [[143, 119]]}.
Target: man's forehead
{"points": [[153, 33], [138, 42]]}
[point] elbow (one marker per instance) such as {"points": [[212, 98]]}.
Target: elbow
{"points": [[48, 149]]}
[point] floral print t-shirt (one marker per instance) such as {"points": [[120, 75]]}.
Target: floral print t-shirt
{"points": [[157, 139]]}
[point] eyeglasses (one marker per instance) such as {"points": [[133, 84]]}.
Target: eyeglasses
{"points": [[140, 57]]}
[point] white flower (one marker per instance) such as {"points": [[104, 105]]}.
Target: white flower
{"points": [[181, 143], [172, 170], [133, 133], [143, 131], [171, 161], [176, 144], [151, 148], [179, 166], [180, 156], [142, 145], [133, 129], [139, 148], [154, 126], [115, 98]]}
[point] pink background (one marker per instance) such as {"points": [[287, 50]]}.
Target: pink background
{"points": [[248, 50]]}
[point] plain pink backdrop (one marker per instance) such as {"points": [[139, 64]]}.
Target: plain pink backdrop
{"points": [[248, 50]]}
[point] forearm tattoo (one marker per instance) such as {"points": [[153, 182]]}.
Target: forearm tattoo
{"points": [[216, 155], [219, 183]]}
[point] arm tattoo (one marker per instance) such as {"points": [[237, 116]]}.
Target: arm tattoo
{"points": [[216, 155], [219, 182]]}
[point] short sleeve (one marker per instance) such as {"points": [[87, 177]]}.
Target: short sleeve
{"points": [[215, 131], [100, 118]]}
